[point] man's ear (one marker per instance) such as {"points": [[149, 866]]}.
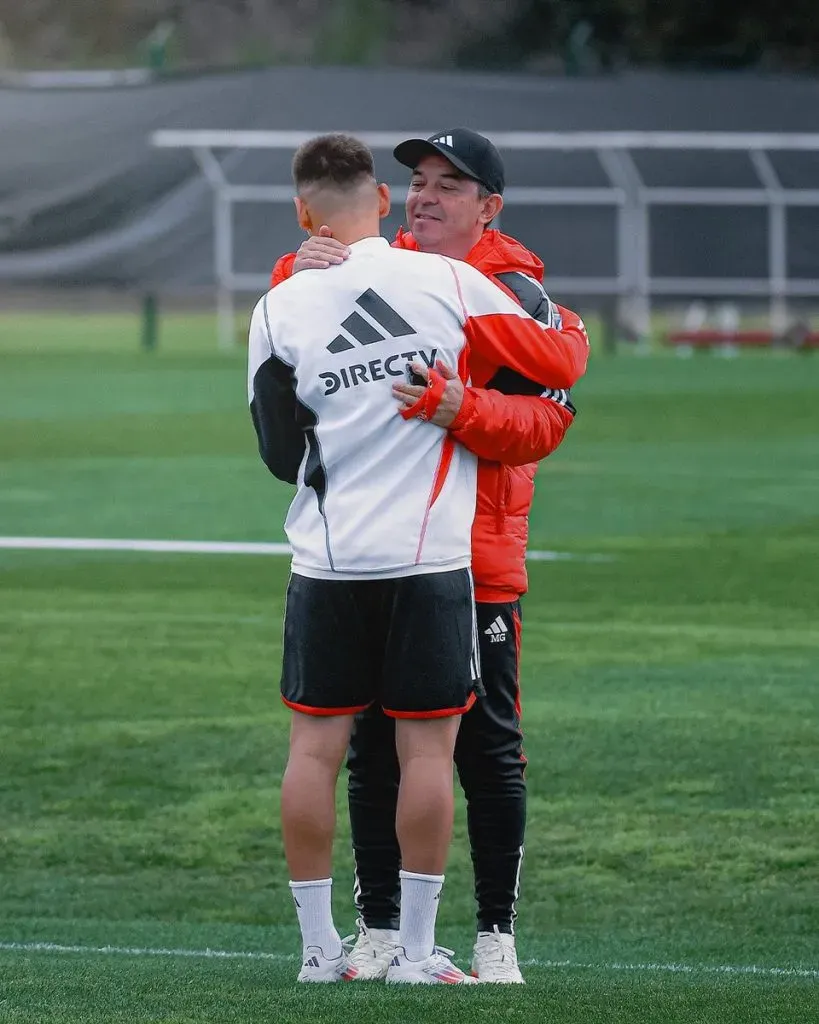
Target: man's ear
{"points": [[383, 200], [492, 206], [303, 215]]}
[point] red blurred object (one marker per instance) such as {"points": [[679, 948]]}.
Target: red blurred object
{"points": [[749, 339]]}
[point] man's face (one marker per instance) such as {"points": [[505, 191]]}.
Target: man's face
{"points": [[444, 210]]}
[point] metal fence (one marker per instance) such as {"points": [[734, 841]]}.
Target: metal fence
{"points": [[632, 282]]}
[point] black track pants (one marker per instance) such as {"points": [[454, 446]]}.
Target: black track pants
{"points": [[490, 765]]}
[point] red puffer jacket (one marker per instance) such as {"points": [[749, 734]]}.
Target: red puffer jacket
{"points": [[506, 422]]}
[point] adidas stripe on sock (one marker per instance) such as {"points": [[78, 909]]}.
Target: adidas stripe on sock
{"points": [[314, 910], [420, 895]]}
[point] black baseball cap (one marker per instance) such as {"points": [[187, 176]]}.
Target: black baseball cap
{"points": [[470, 152]]}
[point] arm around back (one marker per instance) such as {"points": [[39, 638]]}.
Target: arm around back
{"points": [[499, 330], [283, 269], [513, 429]]}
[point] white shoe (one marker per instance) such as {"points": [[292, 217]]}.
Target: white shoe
{"points": [[318, 967], [373, 950], [437, 969], [495, 959]]}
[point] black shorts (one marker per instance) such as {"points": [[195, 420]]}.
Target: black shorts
{"points": [[408, 644]]}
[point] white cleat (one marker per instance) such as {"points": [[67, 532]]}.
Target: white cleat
{"points": [[495, 959], [319, 968], [373, 950], [437, 969]]}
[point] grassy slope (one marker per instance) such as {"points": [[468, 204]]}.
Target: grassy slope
{"points": [[670, 703]]}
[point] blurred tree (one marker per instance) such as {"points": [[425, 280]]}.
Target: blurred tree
{"points": [[582, 35], [156, 44], [701, 33], [6, 49], [353, 32]]}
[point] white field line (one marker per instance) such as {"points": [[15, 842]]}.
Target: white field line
{"points": [[209, 547], [206, 954], [226, 954]]}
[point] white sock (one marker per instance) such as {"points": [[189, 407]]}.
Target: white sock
{"points": [[313, 906], [419, 908]]}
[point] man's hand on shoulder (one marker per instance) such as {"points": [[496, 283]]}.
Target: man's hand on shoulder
{"points": [[451, 399], [320, 251]]}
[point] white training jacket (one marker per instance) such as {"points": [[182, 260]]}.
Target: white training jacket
{"points": [[377, 496]]}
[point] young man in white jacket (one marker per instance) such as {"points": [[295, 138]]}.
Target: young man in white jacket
{"points": [[380, 605]]}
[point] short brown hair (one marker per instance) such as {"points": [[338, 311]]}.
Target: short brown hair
{"points": [[338, 161]]}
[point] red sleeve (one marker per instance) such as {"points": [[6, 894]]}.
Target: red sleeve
{"points": [[512, 429], [555, 359], [501, 333], [575, 338], [283, 269]]}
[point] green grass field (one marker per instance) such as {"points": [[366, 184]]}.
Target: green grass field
{"points": [[671, 702]]}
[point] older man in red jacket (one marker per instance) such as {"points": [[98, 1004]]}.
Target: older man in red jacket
{"points": [[455, 192]]}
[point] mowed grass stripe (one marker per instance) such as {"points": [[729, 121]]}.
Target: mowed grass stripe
{"points": [[669, 699], [724, 636], [228, 954]]}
